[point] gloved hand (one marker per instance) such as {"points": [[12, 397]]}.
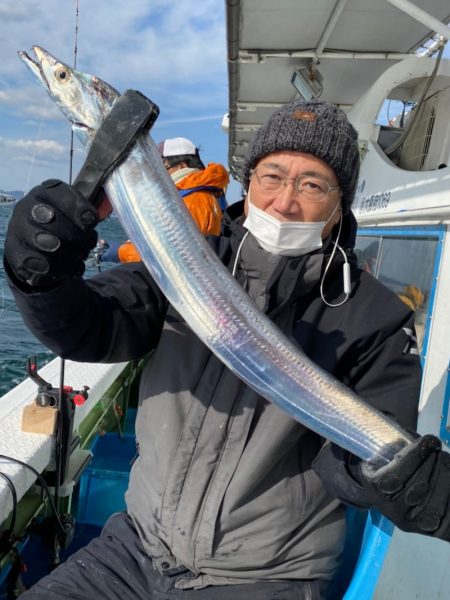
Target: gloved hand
{"points": [[413, 490], [50, 234], [111, 252]]}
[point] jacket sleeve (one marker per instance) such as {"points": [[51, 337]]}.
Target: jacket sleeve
{"points": [[385, 371], [388, 374], [332, 466], [206, 212], [115, 316]]}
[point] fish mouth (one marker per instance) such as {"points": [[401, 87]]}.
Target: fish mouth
{"points": [[84, 99], [42, 65], [35, 65]]}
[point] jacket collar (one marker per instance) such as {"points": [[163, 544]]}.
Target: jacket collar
{"points": [[294, 277]]}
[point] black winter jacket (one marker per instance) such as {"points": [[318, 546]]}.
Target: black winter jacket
{"points": [[224, 483]]}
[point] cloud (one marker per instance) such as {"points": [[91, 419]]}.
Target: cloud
{"points": [[48, 147], [29, 101], [135, 41], [157, 47], [10, 10], [173, 52]]}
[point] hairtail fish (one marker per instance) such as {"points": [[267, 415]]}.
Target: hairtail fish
{"points": [[201, 289]]}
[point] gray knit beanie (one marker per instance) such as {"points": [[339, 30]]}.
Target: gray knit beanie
{"points": [[317, 128]]}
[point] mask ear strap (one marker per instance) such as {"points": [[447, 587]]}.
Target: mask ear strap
{"points": [[347, 284], [238, 253], [340, 220]]}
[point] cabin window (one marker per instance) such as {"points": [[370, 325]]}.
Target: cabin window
{"points": [[406, 265], [415, 135]]}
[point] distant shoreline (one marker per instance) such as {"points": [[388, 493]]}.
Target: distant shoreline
{"points": [[5, 199], [10, 197]]}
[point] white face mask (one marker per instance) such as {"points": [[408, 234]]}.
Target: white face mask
{"points": [[284, 238]]}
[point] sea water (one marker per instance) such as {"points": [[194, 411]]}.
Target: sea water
{"points": [[16, 342]]}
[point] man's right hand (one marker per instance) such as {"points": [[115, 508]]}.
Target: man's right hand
{"points": [[50, 234]]}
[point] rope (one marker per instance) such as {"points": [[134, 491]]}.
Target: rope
{"points": [[36, 139]]}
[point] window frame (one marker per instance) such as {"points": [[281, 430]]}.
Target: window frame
{"points": [[420, 231], [437, 231], [444, 431]]}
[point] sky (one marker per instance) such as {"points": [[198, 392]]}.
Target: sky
{"points": [[172, 51]]}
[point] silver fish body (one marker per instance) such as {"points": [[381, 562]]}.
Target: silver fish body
{"points": [[202, 290]]}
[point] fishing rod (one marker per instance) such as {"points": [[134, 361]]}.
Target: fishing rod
{"points": [[63, 436], [75, 54]]}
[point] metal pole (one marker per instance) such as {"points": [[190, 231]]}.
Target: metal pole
{"points": [[254, 56], [423, 17], [337, 10]]}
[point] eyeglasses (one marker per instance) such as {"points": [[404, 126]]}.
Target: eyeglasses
{"points": [[312, 187]]}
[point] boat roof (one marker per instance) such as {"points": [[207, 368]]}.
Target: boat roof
{"points": [[352, 42]]}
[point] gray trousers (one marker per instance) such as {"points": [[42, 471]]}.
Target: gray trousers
{"points": [[115, 566]]}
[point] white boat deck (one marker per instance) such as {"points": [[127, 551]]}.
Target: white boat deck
{"points": [[36, 449]]}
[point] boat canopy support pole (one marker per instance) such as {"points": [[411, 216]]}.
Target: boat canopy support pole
{"points": [[423, 17], [337, 11], [256, 56]]}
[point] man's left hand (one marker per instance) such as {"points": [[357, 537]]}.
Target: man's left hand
{"points": [[413, 490]]}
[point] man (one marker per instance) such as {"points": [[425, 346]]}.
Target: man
{"points": [[229, 497], [201, 188]]}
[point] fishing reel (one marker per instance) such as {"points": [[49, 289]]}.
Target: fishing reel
{"points": [[48, 395], [52, 413]]}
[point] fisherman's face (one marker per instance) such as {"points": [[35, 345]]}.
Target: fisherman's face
{"points": [[288, 204], [175, 168]]}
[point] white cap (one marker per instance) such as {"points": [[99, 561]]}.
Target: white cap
{"points": [[176, 147]]}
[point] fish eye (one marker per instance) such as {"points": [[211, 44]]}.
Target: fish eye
{"points": [[62, 74]]}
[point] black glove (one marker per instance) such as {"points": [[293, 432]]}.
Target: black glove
{"points": [[50, 234], [413, 490]]}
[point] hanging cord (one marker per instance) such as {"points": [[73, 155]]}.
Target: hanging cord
{"points": [[43, 484], [6, 536], [37, 138], [238, 254], [3, 306], [345, 272]]}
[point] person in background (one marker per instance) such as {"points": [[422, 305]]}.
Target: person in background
{"points": [[201, 188], [229, 497]]}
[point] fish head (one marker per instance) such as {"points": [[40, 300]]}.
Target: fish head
{"points": [[84, 99]]}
